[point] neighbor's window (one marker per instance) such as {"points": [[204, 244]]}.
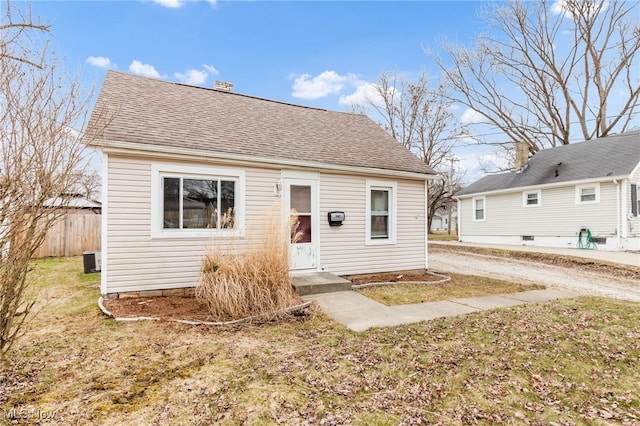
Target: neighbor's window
{"points": [[190, 203], [531, 199], [588, 194], [193, 201], [380, 212], [478, 209]]}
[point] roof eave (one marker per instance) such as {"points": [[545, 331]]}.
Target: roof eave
{"points": [[543, 186], [132, 148]]}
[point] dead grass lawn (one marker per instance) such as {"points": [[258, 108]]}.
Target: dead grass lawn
{"points": [[459, 286], [574, 361]]}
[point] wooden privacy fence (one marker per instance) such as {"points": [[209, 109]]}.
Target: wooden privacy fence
{"points": [[72, 235]]}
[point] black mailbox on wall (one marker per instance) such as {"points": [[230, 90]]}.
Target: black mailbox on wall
{"points": [[335, 218]]}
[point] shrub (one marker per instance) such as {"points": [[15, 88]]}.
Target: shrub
{"points": [[238, 282]]}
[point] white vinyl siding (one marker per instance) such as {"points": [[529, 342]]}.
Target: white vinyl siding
{"points": [[343, 249], [559, 215], [136, 261]]}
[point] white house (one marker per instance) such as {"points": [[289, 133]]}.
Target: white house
{"points": [[560, 194], [177, 157]]}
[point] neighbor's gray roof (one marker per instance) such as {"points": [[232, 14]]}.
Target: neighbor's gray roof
{"points": [[615, 155], [154, 112]]}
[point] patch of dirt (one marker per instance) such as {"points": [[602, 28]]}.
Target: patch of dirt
{"points": [[393, 277], [165, 308]]}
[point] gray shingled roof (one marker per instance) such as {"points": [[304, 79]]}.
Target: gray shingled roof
{"points": [[155, 112], [615, 155]]}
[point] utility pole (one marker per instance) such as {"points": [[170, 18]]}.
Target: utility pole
{"points": [[449, 192]]}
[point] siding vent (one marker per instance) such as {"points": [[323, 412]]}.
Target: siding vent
{"points": [[528, 238], [599, 240]]}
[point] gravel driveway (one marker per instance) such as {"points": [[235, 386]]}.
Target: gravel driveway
{"points": [[583, 283]]}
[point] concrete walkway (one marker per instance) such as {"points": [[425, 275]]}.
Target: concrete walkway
{"points": [[359, 313], [622, 257]]}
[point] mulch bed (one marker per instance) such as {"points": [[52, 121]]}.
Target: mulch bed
{"points": [[171, 308]]}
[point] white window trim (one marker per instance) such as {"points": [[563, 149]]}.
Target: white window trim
{"points": [[579, 189], [178, 170], [473, 208], [525, 198], [392, 187]]}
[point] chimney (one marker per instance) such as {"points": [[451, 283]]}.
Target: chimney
{"points": [[223, 86], [522, 154]]}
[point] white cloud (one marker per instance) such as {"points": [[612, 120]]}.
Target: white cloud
{"points": [[212, 2], [172, 4], [211, 69], [559, 7], [364, 94], [99, 61], [193, 77], [144, 70], [471, 116], [324, 84]]}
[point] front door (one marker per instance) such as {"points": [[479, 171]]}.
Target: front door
{"points": [[301, 206]]}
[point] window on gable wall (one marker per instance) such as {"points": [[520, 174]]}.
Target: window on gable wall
{"points": [[478, 209]]}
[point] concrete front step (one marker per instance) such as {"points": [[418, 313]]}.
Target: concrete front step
{"points": [[319, 282]]}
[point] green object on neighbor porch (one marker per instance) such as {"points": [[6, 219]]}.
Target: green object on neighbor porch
{"points": [[586, 243]]}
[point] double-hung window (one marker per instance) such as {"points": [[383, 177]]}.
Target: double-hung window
{"points": [[381, 212], [196, 201], [479, 209], [531, 198], [587, 194]]}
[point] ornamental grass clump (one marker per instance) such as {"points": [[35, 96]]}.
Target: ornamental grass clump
{"points": [[240, 281]]}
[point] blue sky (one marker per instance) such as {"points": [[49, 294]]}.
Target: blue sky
{"points": [[310, 53]]}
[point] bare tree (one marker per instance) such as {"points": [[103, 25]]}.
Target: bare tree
{"points": [[40, 157], [420, 118], [548, 74]]}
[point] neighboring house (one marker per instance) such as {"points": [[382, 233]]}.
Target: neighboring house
{"points": [[179, 160], [440, 220], [558, 195], [75, 203]]}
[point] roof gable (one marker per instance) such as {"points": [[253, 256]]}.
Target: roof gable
{"points": [[616, 155], [152, 112]]}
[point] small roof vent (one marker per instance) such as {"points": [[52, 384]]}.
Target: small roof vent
{"points": [[223, 86]]}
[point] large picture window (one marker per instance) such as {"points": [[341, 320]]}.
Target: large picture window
{"points": [[381, 212], [195, 201], [190, 203]]}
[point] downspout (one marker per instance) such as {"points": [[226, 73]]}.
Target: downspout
{"points": [[459, 218], [624, 214], [618, 220], [426, 224]]}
